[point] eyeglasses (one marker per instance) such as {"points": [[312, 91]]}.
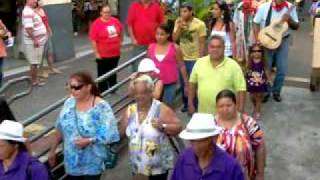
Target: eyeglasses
{"points": [[76, 88], [259, 50]]}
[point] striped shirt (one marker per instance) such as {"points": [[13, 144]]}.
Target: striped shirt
{"points": [[32, 20]]}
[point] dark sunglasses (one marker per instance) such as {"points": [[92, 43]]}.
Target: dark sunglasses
{"points": [[253, 51], [77, 88]]}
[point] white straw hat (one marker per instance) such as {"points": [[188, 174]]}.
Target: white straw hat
{"points": [[11, 130], [147, 65], [200, 126]]}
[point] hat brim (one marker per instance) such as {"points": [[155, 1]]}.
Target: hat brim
{"points": [[4, 137], [194, 136]]}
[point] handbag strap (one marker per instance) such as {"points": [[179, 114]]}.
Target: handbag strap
{"points": [[76, 116]]}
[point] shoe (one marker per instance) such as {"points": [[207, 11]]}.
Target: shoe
{"points": [[39, 83], [43, 74], [277, 97], [54, 71], [266, 98], [184, 109]]}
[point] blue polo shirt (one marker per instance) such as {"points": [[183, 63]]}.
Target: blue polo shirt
{"points": [[221, 167]]}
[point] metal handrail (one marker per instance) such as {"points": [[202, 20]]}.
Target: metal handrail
{"points": [[9, 83], [60, 102]]}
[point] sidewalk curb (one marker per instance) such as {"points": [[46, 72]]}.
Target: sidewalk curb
{"points": [[16, 72]]}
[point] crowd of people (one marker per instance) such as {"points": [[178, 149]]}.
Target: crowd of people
{"points": [[204, 59]]}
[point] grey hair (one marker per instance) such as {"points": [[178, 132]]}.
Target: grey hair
{"points": [[145, 79], [217, 37]]}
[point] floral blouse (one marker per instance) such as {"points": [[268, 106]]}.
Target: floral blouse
{"points": [[149, 149], [99, 123], [241, 141]]}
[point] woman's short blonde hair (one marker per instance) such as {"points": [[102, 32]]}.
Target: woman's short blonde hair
{"points": [[146, 80]]}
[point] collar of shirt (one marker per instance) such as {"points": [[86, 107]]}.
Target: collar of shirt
{"points": [[222, 63], [216, 163], [148, 5], [20, 160]]}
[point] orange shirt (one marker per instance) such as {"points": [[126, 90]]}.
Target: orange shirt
{"points": [[3, 52]]}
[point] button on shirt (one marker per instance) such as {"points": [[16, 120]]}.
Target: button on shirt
{"points": [[262, 14], [211, 80], [18, 169], [221, 167]]}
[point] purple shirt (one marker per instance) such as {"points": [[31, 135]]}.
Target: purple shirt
{"points": [[221, 167], [18, 169]]}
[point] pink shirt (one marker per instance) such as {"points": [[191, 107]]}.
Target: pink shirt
{"points": [[168, 66], [107, 35], [3, 52]]}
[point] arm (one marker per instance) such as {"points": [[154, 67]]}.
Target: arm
{"points": [[202, 42], [30, 34], [93, 38], [260, 159], [241, 99], [123, 123], [256, 30], [94, 46], [168, 117], [192, 89], [133, 39], [56, 138], [158, 88], [177, 30], [182, 67], [233, 38]]}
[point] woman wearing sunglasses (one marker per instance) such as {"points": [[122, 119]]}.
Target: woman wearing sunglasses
{"points": [[86, 124]]}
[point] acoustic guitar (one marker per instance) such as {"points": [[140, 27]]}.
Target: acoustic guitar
{"points": [[270, 37]]}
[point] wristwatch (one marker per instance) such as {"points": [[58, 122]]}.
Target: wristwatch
{"points": [[163, 127], [92, 140]]}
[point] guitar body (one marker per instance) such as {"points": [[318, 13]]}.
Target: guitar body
{"points": [[270, 37]]}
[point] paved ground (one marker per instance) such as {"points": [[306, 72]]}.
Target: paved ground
{"points": [[291, 127]]}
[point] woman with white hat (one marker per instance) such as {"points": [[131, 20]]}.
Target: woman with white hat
{"points": [[15, 161], [147, 67], [204, 159]]}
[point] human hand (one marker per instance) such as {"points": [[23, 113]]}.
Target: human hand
{"points": [[156, 123], [35, 43], [133, 75], [259, 176], [191, 109], [82, 142], [52, 158], [285, 18]]}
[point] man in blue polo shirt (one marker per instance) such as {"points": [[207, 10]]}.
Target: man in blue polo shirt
{"points": [[205, 160], [265, 15]]}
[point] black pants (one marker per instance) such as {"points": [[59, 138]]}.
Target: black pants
{"points": [[87, 177], [105, 65]]}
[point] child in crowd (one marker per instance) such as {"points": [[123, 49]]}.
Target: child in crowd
{"points": [[257, 78]]}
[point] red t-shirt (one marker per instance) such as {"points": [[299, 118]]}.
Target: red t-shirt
{"points": [[107, 35], [144, 21]]}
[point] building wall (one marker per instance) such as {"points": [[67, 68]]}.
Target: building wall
{"points": [[60, 19]]}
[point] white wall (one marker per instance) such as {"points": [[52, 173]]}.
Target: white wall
{"points": [[47, 2]]}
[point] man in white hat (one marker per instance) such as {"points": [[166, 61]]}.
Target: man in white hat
{"points": [[147, 67], [204, 160], [15, 161]]}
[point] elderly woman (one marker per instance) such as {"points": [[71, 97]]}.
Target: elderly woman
{"points": [[204, 160], [148, 123], [86, 124], [242, 137], [15, 161], [148, 67]]}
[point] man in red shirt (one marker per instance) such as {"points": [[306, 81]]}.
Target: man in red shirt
{"points": [[144, 17]]}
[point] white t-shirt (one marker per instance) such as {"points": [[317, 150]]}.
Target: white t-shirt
{"points": [[262, 14], [30, 19]]}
